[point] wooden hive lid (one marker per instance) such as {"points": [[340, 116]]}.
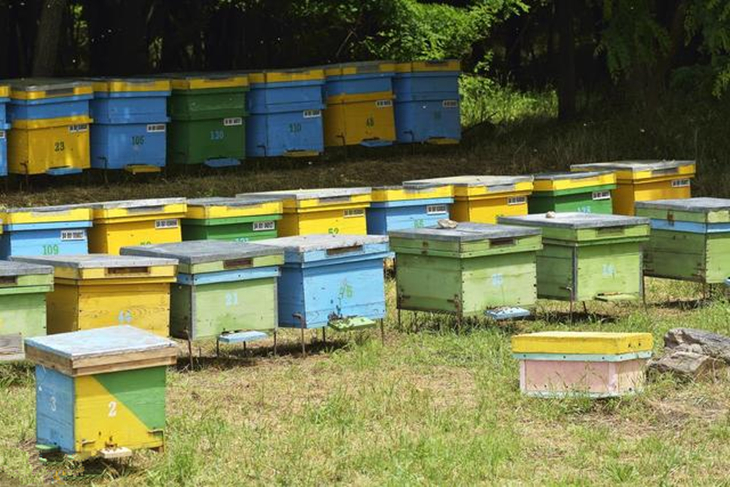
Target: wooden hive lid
{"points": [[576, 342], [691, 205], [237, 202], [101, 350], [574, 220], [96, 261], [634, 166], [12, 269], [203, 251], [306, 194], [559, 176], [132, 204], [488, 181], [466, 232], [317, 242]]}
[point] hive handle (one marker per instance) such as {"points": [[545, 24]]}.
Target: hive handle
{"points": [[502, 242], [147, 209], [121, 271], [237, 263]]}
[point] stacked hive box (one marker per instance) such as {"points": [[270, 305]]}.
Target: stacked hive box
{"points": [[481, 199], [584, 192], [285, 110], [4, 127], [645, 181], [690, 239], [469, 270], [232, 219], [586, 257], [359, 99], [98, 290], [313, 211], [23, 289], [207, 120], [427, 102], [403, 207], [222, 288], [587, 364], [130, 120], [119, 224], [44, 230], [101, 392], [50, 121]]}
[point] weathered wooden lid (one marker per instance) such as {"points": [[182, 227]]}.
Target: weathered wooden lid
{"points": [[45, 209], [574, 220], [558, 176], [203, 251], [473, 181], [237, 202], [96, 261], [47, 84], [692, 205], [11, 268], [310, 243], [306, 194], [466, 232], [101, 350], [108, 205], [576, 342], [635, 166]]}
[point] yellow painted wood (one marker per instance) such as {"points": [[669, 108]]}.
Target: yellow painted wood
{"points": [[203, 83], [360, 68], [627, 194], [569, 342], [25, 94], [286, 76], [35, 146], [466, 191], [428, 66], [350, 221], [4, 91], [486, 209], [32, 215], [116, 215], [108, 238], [568, 183], [407, 194], [353, 119], [130, 86], [157, 273], [204, 212]]}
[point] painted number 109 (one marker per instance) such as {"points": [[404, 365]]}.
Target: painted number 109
{"points": [[50, 249]]}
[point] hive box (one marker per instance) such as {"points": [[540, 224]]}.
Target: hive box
{"points": [[99, 290], [427, 102], [467, 270], [120, 224], [331, 280], [44, 230], [645, 181], [285, 113], [50, 120], [23, 289], [359, 100], [222, 287], [316, 211], [130, 124], [403, 207], [207, 120], [101, 392], [232, 219], [592, 364], [586, 257], [4, 127], [584, 192], [690, 239], [481, 199]]}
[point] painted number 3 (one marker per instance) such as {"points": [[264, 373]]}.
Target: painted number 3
{"points": [[53, 403], [112, 409]]}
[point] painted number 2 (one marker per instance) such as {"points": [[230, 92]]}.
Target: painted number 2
{"points": [[609, 270], [112, 409]]}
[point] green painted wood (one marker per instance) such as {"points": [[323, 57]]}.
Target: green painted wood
{"points": [[576, 201], [142, 391], [261, 261], [228, 229], [441, 248], [24, 313], [696, 210], [688, 256]]}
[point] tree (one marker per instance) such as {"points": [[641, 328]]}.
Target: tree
{"points": [[47, 39]]}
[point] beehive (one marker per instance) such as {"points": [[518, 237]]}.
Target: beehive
{"points": [[100, 290], [120, 224], [331, 280], [285, 113], [232, 219], [586, 257], [222, 287], [466, 271], [50, 120], [645, 181], [101, 392], [588, 364], [359, 100], [4, 127], [44, 230], [427, 102], [584, 192], [23, 289], [481, 199], [207, 120], [690, 239], [130, 124], [403, 207], [314, 211]]}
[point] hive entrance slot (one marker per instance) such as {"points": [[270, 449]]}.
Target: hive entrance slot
{"points": [[147, 209], [60, 91], [237, 263], [334, 199], [344, 250], [611, 231], [664, 172], [8, 280], [502, 242], [121, 271]]}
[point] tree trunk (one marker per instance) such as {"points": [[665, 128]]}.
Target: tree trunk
{"points": [[566, 60], [49, 33]]}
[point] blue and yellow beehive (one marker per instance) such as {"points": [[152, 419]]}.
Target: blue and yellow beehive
{"points": [[130, 121], [359, 99], [44, 230], [285, 113], [405, 207], [427, 102], [101, 393], [50, 120], [4, 127]]}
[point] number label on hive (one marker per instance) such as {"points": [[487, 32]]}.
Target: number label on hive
{"points": [[156, 128], [232, 121], [167, 223], [312, 113], [680, 183], [450, 104], [73, 235], [601, 195], [384, 103], [516, 200], [75, 129], [264, 226]]}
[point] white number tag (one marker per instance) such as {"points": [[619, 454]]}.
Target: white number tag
{"points": [[164, 224], [74, 129], [312, 113], [264, 226], [2, 134], [384, 103], [156, 128], [680, 183], [232, 122], [73, 235], [450, 104], [436, 210], [601, 195], [354, 213], [517, 200]]}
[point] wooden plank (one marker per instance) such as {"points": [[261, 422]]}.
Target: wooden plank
{"points": [[11, 347]]}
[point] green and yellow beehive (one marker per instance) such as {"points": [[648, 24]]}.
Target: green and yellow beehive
{"points": [[232, 219], [584, 192]]}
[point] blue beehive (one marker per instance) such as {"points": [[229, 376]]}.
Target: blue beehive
{"points": [[408, 206], [331, 280], [45, 230], [4, 126], [130, 120], [427, 102], [285, 113]]}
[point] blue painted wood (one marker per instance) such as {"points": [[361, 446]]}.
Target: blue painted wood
{"points": [[227, 162], [690, 227], [242, 337], [577, 357], [116, 146], [507, 313], [64, 171], [130, 107], [228, 276], [55, 396], [19, 227], [404, 215], [64, 238]]}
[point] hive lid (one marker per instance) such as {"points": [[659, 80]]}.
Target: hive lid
{"points": [[362, 67], [576, 342], [4, 91], [447, 65], [96, 261], [109, 205], [101, 350], [487, 181], [309, 243], [12, 268], [241, 201], [45, 209], [203, 251], [574, 220], [306, 194], [202, 81], [47, 85], [285, 75], [558, 176], [105, 85], [634, 166], [691, 205], [466, 232]]}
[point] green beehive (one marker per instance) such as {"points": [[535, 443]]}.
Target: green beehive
{"points": [[468, 270], [690, 239], [587, 257], [587, 192], [242, 219]]}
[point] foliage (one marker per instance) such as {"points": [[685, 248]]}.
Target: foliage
{"points": [[710, 19]]}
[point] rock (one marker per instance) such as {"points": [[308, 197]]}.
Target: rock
{"points": [[446, 223], [688, 339], [688, 365]]}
